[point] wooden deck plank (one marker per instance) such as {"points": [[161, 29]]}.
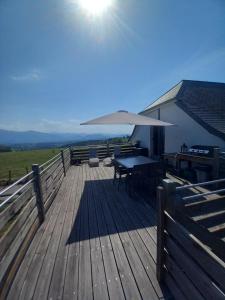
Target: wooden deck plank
{"points": [[112, 274], [58, 275], [139, 271], [142, 242], [140, 208], [100, 288], [96, 243], [142, 212], [85, 288], [44, 279], [30, 281], [144, 223], [127, 278], [72, 271], [20, 278]]}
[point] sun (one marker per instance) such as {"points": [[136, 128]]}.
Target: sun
{"points": [[95, 8]]}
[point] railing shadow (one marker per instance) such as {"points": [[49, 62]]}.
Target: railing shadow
{"points": [[103, 210]]}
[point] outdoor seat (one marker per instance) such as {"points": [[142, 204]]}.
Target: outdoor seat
{"points": [[107, 162], [117, 151], [137, 178], [145, 178], [93, 159], [120, 171]]}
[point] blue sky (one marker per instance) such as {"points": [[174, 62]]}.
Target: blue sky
{"points": [[59, 67]]}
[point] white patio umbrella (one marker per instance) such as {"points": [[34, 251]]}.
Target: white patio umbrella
{"points": [[123, 117]]}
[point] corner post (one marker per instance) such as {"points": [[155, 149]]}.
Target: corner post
{"points": [[170, 194], [38, 192], [63, 162], [160, 233]]}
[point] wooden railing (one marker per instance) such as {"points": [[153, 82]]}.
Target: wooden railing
{"points": [[80, 154], [22, 209], [186, 258]]}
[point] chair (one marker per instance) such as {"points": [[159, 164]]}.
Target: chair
{"points": [[108, 161], [93, 159], [120, 171], [155, 175], [136, 179], [145, 178], [117, 151]]}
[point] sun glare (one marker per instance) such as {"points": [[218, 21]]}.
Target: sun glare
{"points": [[95, 8]]}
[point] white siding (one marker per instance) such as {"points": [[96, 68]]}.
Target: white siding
{"points": [[186, 130], [142, 134]]}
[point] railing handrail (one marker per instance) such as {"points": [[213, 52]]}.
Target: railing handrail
{"points": [[183, 187], [51, 164], [23, 210], [203, 194], [54, 159], [47, 162], [16, 192], [15, 183], [100, 145]]}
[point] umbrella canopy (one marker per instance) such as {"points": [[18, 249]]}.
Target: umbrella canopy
{"points": [[123, 117]]}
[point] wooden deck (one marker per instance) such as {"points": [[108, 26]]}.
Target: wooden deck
{"points": [[96, 243]]}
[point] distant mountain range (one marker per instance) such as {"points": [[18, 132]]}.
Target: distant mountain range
{"points": [[8, 137]]}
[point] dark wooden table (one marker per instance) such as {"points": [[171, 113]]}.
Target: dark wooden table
{"points": [[130, 162]]}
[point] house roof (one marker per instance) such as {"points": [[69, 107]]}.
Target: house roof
{"points": [[170, 95], [203, 101]]}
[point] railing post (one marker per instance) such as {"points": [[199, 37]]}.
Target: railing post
{"points": [[216, 164], [38, 192], [171, 199], [160, 232], [10, 177], [63, 162], [70, 149], [70, 154], [107, 146]]}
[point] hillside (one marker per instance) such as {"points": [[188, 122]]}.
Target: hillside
{"points": [[9, 137], [19, 162]]}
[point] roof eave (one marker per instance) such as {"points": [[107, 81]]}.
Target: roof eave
{"points": [[157, 106], [209, 128]]}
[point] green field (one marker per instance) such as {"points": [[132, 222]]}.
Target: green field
{"points": [[18, 162]]}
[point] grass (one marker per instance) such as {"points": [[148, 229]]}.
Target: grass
{"points": [[18, 162]]}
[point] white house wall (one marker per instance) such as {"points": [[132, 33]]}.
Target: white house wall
{"points": [[186, 130], [142, 134]]}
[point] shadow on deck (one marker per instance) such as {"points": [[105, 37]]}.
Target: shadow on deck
{"points": [[96, 243], [108, 207]]}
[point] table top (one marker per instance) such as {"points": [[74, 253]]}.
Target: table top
{"points": [[130, 162]]}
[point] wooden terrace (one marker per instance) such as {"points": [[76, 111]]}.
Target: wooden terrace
{"points": [[67, 232], [95, 243]]}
